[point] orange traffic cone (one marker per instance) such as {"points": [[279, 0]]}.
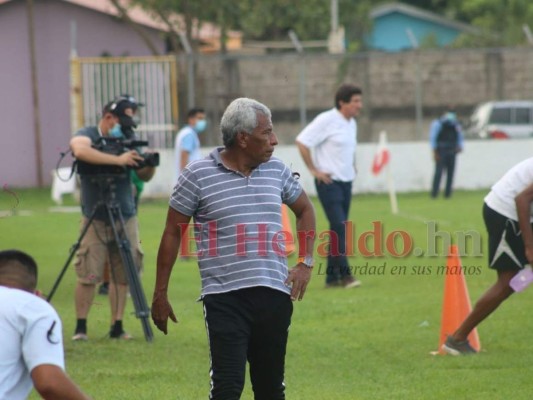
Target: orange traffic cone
{"points": [[286, 222], [456, 304]]}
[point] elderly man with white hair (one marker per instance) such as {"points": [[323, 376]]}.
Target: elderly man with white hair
{"points": [[235, 197]]}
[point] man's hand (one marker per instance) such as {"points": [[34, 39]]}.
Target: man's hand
{"points": [[436, 155], [129, 158], [161, 311], [322, 177], [299, 277]]}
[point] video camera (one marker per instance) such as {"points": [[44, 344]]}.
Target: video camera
{"points": [[117, 146]]}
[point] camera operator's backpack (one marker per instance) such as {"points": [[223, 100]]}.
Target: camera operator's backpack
{"points": [[448, 135]]}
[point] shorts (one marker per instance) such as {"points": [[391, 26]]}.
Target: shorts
{"points": [[98, 248], [506, 247]]}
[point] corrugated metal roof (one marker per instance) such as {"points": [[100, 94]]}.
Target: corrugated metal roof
{"points": [[421, 14], [207, 31]]}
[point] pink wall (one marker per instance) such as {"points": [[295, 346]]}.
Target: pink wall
{"points": [[97, 33], [17, 153]]}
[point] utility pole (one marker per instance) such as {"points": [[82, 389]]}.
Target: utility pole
{"points": [[190, 69], [418, 84], [336, 34], [334, 15], [302, 75], [527, 32]]}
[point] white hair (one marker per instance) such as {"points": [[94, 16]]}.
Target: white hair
{"points": [[241, 116]]}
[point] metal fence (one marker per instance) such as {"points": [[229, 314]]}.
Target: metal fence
{"points": [[151, 80]]}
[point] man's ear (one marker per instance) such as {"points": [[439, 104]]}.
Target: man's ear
{"points": [[242, 139], [108, 118]]}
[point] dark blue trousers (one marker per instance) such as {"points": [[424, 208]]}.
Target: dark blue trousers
{"points": [[335, 199], [446, 163]]}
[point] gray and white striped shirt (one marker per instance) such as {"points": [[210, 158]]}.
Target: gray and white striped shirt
{"points": [[238, 228]]}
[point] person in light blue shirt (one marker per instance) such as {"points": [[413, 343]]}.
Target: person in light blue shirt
{"points": [[446, 140], [187, 144]]}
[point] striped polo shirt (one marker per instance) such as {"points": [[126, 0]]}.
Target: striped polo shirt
{"points": [[238, 229]]}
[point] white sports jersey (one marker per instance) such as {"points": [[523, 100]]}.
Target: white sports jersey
{"points": [[334, 139], [502, 196], [30, 335]]}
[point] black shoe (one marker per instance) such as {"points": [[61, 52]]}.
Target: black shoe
{"points": [[121, 336], [457, 348]]}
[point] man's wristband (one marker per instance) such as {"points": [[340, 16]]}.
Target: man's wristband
{"points": [[307, 261]]}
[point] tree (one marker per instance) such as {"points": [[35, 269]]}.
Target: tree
{"points": [[500, 20], [310, 19], [125, 17], [191, 12], [264, 20]]}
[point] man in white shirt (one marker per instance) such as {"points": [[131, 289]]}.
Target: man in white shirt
{"points": [[333, 136], [508, 218], [31, 351], [187, 144]]}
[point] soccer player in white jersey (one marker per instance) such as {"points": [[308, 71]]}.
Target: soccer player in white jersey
{"points": [[31, 350], [507, 215]]}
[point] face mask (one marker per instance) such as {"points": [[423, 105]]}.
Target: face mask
{"points": [[200, 125], [450, 116], [116, 131]]}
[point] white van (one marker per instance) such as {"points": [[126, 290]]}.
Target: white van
{"points": [[502, 120]]}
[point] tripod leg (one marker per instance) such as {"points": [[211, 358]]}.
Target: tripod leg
{"points": [[73, 250], [137, 294]]}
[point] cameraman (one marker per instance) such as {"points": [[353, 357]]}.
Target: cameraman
{"points": [[98, 244]]}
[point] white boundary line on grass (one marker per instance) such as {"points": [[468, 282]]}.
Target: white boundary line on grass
{"points": [[423, 219], [64, 209], [12, 213]]}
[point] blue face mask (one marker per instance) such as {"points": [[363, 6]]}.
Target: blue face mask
{"points": [[116, 131], [200, 125], [450, 116]]}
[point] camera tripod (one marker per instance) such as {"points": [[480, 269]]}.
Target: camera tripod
{"points": [[114, 215]]}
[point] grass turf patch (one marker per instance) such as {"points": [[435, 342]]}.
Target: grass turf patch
{"points": [[367, 343]]}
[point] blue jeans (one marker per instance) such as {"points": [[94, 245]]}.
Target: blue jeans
{"points": [[335, 199]]}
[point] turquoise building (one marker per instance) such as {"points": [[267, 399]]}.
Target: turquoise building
{"points": [[398, 26]]}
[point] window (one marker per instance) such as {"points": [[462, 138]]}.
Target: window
{"points": [[522, 115], [500, 116]]}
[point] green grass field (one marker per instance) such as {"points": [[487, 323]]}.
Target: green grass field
{"points": [[373, 342]]}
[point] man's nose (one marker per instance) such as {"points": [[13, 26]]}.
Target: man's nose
{"points": [[273, 139]]}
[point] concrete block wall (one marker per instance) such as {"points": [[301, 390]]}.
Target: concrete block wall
{"points": [[460, 77]]}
